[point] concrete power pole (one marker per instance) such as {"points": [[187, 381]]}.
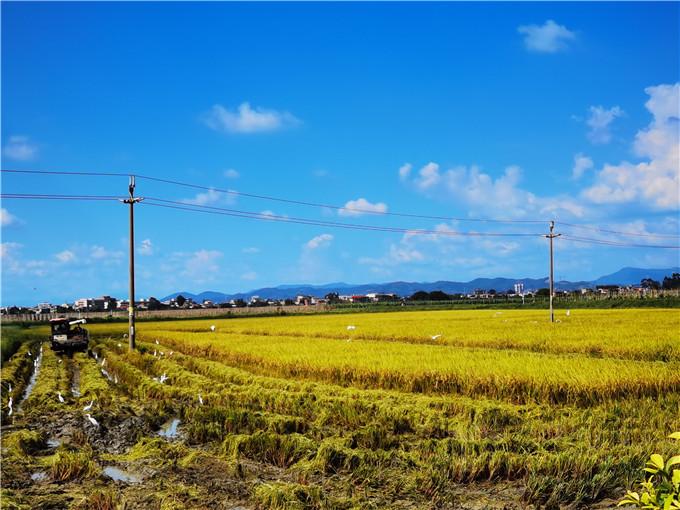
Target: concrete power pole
{"points": [[552, 236], [131, 305]]}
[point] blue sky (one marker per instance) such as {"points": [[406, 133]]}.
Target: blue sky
{"points": [[515, 110]]}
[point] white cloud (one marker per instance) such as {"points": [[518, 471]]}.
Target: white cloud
{"points": [[320, 241], [397, 254], [655, 181], [146, 247], [230, 173], [250, 250], [362, 206], [547, 38], [6, 218], [405, 171], [101, 253], [581, 164], [599, 121], [201, 266], [211, 197], [249, 276], [500, 196], [65, 256], [9, 249], [248, 120], [20, 148]]}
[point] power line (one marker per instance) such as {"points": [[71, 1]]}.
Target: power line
{"points": [[36, 196], [607, 231], [335, 207], [173, 204], [607, 242], [279, 199]]}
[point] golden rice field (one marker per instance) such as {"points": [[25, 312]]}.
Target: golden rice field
{"points": [[436, 409]]}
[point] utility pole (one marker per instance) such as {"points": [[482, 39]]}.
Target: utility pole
{"points": [[131, 305], [552, 236]]}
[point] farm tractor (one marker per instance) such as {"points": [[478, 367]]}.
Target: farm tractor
{"points": [[64, 337]]}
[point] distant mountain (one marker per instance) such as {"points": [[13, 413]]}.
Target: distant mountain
{"points": [[633, 275], [625, 276]]}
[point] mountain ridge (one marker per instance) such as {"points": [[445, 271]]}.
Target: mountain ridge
{"points": [[624, 276]]}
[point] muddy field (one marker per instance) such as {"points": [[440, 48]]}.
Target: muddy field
{"points": [[191, 423]]}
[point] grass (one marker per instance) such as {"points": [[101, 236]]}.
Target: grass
{"points": [[298, 417]]}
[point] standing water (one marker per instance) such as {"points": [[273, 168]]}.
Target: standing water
{"points": [[31, 383], [169, 429]]}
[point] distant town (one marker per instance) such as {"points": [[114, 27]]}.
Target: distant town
{"points": [[647, 287]]}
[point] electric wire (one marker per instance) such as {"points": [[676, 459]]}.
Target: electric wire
{"points": [[351, 210], [338, 208]]}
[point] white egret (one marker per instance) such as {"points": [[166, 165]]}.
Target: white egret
{"points": [[92, 420], [212, 328], [103, 361], [434, 337], [104, 372], [115, 379], [59, 361], [200, 399], [9, 404], [120, 345], [171, 353], [29, 353], [351, 327], [568, 313], [163, 378], [61, 399], [157, 343], [154, 353], [10, 389], [88, 406], [95, 355]]}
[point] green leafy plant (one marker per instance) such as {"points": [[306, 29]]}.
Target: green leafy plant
{"points": [[661, 489]]}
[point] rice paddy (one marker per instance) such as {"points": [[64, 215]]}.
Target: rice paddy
{"points": [[440, 409]]}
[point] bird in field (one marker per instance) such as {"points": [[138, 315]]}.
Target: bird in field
{"points": [[103, 361], [157, 343], [88, 406], [95, 355], [92, 420], [125, 335], [171, 353], [212, 328], [59, 361], [163, 378], [29, 353], [568, 313], [434, 337], [154, 353], [105, 373], [61, 399], [115, 379], [200, 399], [351, 327], [9, 404], [10, 389]]}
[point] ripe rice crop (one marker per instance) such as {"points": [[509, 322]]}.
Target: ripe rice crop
{"points": [[300, 412]]}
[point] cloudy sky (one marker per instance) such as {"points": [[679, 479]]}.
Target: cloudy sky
{"points": [[526, 112]]}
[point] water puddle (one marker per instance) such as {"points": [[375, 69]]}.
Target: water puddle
{"points": [[120, 475], [39, 476], [169, 429], [75, 380], [37, 361], [53, 443]]}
